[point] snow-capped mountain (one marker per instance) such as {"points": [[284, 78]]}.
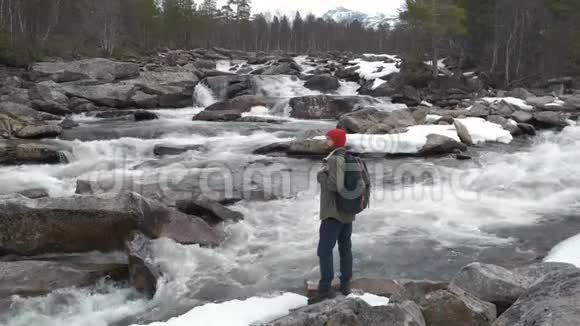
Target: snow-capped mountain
{"points": [[344, 15]]}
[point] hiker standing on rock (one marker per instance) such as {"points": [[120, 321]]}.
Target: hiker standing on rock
{"points": [[345, 190]]}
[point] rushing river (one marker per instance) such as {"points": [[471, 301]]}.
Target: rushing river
{"points": [[428, 217]]}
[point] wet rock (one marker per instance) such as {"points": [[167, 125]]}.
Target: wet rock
{"points": [[166, 150], [97, 69], [68, 123], [571, 101], [34, 193], [502, 108], [145, 116], [438, 144], [406, 95], [307, 147], [348, 74], [217, 116], [322, 83], [520, 93], [30, 154], [527, 129], [417, 290], [143, 275], [204, 64], [25, 113], [50, 107], [81, 105], [272, 148], [145, 101], [240, 104], [111, 95], [373, 121], [255, 119], [550, 119], [39, 131], [522, 116], [552, 301], [114, 114], [540, 102], [477, 110], [35, 278], [284, 68], [353, 312], [327, 107], [454, 307], [463, 133], [209, 210], [88, 223]]}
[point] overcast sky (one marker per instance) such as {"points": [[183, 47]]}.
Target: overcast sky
{"points": [[319, 7]]}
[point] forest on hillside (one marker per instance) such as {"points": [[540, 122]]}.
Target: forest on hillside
{"points": [[513, 40]]}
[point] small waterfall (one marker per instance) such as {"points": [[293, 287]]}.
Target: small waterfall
{"points": [[203, 96], [64, 157]]}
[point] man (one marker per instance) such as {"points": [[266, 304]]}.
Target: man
{"points": [[336, 226]]}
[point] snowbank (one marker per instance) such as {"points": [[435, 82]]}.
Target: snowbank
{"points": [[521, 104], [370, 70], [406, 143], [432, 118], [567, 251], [371, 299], [378, 82], [239, 313], [482, 131]]}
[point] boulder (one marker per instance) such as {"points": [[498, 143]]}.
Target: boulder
{"points": [[550, 119], [25, 113], [477, 110], [454, 307], [88, 223], [114, 114], [284, 68], [143, 275], [205, 64], [30, 154], [51, 107], [39, 131], [571, 101], [163, 150], [373, 121], [322, 83], [520, 93], [145, 101], [551, 301], [491, 283], [272, 148], [417, 290], [522, 116], [8, 126], [209, 210], [327, 107], [540, 102], [438, 144], [34, 193], [307, 147], [48, 91], [36, 278], [527, 129], [145, 116], [111, 95], [348, 74], [406, 95], [240, 104], [507, 124], [97, 69], [353, 312], [168, 96], [81, 105], [463, 133], [217, 116], [502, 108]]}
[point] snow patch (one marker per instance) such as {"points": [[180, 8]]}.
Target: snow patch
{"points": [[239, 313], [521, 104], [440, 63], [371, 299], [378, 82], [567, 251], [432, 118], [370, 70], [427, 104], [482, 131]]}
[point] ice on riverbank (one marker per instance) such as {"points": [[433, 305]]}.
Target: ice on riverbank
{"points": [[567, 251]]}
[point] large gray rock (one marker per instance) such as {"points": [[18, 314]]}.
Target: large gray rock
{"points": [[438, 145], [372, 121], [454, 307], [463, 133], [39, 131], [87, 223], [522, 116], [97, 69], [143, 275], [48, 91], [540, 102], [308, 147], [25, 113], [112, 95], [520, 93], [51, 107], [29, 153], [35, 278], [145, 101], [571, 101], [322, 83], [327, 107], [284, 68], [549, 119], [165, 150], [240, 104], [209, 210], [552, 301], [353, 312], [231, 115]]}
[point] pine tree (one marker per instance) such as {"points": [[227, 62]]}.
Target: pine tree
{"points": [[244, 10], [208, 8]]}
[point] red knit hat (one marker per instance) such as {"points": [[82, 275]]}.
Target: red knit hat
{"points": [[338, 137]]}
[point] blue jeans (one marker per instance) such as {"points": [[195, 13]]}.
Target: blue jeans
{"points": [[331, 232]]}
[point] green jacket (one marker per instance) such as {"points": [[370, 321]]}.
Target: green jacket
{"points": [[331, 179]]}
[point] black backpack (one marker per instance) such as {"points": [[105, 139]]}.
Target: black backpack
{"points": [[355, 197]]}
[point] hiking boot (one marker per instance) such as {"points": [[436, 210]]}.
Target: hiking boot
{"points": [[345, 288], [321, 297]]}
